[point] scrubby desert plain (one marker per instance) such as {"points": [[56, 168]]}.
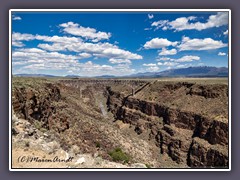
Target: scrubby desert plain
{"points": [[120, 123]]}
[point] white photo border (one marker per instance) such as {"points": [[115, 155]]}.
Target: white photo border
{"points": [[119, 10]]}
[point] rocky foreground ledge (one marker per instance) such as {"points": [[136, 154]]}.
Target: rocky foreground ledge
{"points": [[32, 148]]}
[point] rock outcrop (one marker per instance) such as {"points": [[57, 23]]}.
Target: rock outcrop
{"points": [[175, 130], [37, 106], [202, 154]]}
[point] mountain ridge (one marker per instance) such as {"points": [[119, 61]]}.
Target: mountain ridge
{"points": [[198, 71]]}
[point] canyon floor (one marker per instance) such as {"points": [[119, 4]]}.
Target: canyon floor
{"points": [[120, 123]]}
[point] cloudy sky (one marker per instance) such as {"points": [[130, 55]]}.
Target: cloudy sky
{"points": [[117, 43]]}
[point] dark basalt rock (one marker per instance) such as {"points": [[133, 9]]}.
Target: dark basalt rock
{"points": [[36, 105], [180, 146]]}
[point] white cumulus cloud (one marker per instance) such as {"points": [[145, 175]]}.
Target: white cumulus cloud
{"points": [[200, 44], [170, 63], [119, 61], [222, 54], [22, 37], [150, 64], [225, 32], [152, 67], [17, 44], [188, 58], [85, 32], [85, 55], [189, 23], [74, 44], [163, 59], [150, 16], [168, 52], [34, 60], [14, 17], [157, 43]]}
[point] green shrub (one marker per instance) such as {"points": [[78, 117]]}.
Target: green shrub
{"points": [[38, 124], [98, 145], [27, 143], [43, 130], [119, 156], [147, 165]]}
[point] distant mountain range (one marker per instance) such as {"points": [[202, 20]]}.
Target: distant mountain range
{"points": [[34, 75], [106, 76], [200, 71], [72, 76], [67, 76]]}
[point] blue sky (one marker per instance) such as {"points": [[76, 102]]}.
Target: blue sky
{"points": [[117, 43]]}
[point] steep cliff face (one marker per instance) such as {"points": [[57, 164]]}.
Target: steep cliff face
{"points": [[175, 129], [62, 109], [37, 104], [202, 154]]}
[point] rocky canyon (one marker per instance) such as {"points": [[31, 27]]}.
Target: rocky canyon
{"points": [[122, 123]]}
